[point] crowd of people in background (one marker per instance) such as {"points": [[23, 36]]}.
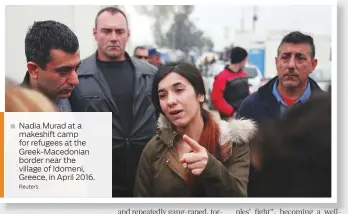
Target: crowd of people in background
{"points": [[152, 56], [275, 142]]}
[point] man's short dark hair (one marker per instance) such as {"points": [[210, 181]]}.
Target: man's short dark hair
{"points": [[238, 54], [43, 36], [112, 10], [139, 47], [297, 37]]}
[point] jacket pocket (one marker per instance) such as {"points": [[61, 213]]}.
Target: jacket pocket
{"points": [[92, 98], [95, 103]]}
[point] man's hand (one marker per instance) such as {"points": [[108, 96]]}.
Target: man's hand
{"points": [[197, 159]]}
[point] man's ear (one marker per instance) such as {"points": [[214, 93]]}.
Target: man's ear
{"points": [[128, 34], [33, 70], [314, 64], [276, 61], [95, 33]]}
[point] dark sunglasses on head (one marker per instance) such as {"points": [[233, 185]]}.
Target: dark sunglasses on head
{"points": [[141, 57]]}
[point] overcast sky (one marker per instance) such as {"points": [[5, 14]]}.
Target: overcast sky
{"points": [[220, 21]]}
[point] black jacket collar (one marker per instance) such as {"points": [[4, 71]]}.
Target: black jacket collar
{"points": [[270, 102]]}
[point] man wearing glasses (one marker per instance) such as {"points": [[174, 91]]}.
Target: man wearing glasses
{"points": [[141, 52]]}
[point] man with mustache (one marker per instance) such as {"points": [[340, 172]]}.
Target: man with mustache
{"points": [[292, 86], [53, 57], [113, 81]]}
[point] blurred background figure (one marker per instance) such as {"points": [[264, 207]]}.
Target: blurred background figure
{"points": [[154, 57], [231, 85], [292, 155], [19, 99], [141, 52], [204, 62]]}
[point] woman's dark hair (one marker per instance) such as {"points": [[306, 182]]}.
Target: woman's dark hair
{"points": [[186, 70]]}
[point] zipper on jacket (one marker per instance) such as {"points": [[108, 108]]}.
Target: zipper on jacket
{"points": [[128, 153], [127, 143]]}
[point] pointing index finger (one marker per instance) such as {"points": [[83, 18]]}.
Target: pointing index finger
{"points": [[192, 143]]}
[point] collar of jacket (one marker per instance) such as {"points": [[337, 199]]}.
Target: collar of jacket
{"points": [[227, 67], [236, 131], [91, 63]]}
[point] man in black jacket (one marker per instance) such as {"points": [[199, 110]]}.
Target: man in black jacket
{"points": [[292, 86], [112, 81]]}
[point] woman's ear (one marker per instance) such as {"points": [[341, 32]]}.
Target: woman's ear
{"points": [[201, 98]]}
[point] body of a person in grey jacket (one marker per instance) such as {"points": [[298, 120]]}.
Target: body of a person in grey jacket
{"points": [[112, 81]]}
